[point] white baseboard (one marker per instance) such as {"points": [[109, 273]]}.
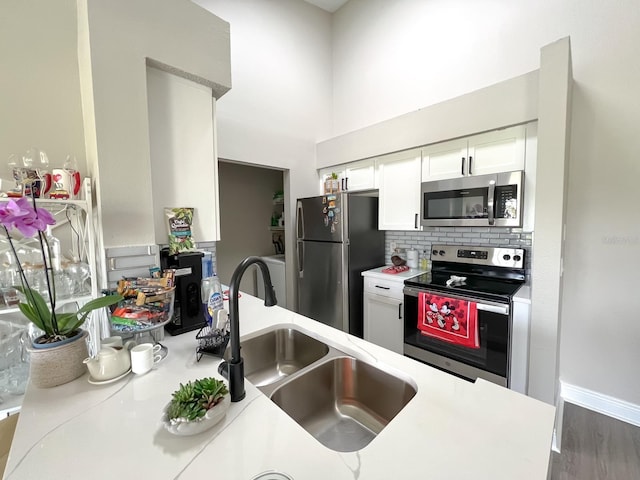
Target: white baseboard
{"points": [[598, 402]]}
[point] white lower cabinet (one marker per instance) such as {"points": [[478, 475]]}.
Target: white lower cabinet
{"points": [[383, 313], [383, 322]]}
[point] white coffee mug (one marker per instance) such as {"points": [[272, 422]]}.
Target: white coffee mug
{"points": [[111, 342], [143, 358], [65, 183]]}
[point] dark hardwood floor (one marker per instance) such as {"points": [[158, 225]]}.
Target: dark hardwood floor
{"points": [[596, 447]]}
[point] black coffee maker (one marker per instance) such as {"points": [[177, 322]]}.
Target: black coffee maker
{"points": [[187, 313]]}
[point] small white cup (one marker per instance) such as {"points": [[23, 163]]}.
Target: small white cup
{"points": [[143, 358], [111, 342]]}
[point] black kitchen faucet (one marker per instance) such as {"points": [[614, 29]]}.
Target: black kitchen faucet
{"points": [[235, 367]]}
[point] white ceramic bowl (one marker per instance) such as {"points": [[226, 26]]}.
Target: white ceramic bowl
{"points": [[184, 427]]}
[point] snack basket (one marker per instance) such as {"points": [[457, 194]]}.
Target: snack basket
{"points": [[142, 313]]}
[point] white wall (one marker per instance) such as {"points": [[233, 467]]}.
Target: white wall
{"points": [[39, 84], [280, 103], [395, 57], [183, 164], [116, 41]]}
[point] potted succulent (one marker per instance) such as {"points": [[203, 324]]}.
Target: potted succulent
{"points": [[57, 355], [196, 406]]}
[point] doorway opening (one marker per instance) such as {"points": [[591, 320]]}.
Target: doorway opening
{"points": [[252, 203]]}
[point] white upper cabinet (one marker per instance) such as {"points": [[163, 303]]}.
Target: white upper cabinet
{"points": [[399, 191], [497, 151], [352, 177], [444, 160], [491, 152], [360, 175]]}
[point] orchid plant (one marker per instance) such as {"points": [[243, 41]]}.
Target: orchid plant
{"points": [[31, 221]]}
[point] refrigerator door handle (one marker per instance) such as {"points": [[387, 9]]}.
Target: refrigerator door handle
{"points": [[300, 249], [300, 219]]}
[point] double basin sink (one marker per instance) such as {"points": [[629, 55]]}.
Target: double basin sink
{"points": [[342, 401]]}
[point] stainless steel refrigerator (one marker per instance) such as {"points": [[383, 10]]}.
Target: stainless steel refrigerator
{"points": [[337, 239]]}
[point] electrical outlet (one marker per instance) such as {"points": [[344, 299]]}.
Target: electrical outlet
{"points": [[393, 246]]}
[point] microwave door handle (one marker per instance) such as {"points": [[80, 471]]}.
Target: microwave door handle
{"points": [[491, 202]]}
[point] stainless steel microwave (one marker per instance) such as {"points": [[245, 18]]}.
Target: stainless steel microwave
{"points": [[476, 201]]}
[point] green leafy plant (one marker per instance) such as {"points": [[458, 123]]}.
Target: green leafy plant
{"points": [[334, 175], [31, 221], [191, 401]]}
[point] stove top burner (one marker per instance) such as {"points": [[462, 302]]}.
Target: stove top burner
{"points": [[481, 287], [491, 273]]}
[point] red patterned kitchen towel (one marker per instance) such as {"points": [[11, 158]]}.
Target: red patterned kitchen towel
{"points": [[395, 269], [448, 319]]}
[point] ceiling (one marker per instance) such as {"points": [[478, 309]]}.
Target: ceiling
{"points": [[328, 5]]}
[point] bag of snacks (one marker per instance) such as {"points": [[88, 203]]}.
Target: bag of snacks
{"points": [[179, 222]]}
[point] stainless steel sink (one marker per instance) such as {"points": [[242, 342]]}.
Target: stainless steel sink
{"points": [[343, 402], [278, 353]]}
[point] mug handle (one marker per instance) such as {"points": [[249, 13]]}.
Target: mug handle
{"points": [[75, 176], [46, 180], [156, 348], [156, 359]]}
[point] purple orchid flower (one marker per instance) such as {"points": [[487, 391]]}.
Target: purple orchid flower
{"points": [[19, 214]]}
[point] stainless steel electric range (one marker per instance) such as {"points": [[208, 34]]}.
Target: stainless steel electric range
{"points": [[484, 277]]}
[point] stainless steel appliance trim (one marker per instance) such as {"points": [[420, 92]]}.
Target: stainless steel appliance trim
{"points": [[495, 255], [494, 307], [299, 249], [300, 229], [503, 310], [491, 204], [454, 366], [343, 222], [478, 181]]}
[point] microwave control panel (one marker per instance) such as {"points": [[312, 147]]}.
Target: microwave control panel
{"points": [[506, 201]]}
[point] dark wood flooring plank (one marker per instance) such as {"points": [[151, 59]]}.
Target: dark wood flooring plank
{"points": [[596, 447]]}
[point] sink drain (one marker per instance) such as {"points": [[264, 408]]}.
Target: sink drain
{"points": [[272, 475]]}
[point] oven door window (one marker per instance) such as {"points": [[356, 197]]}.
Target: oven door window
{"points": [[493, 354], [455, 204]]}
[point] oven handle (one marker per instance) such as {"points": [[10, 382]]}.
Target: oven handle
{"points": [[499, 308]]}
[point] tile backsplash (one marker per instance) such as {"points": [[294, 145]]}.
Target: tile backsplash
{"points": [[476, 236]]}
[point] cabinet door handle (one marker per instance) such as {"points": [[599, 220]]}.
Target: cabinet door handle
{"points": [[470, 160], [342, 182], [383, 288], [462, 166], [415, 222], [346, 183], [400, 311]]}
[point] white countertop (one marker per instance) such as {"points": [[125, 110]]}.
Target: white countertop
{"points": [[400, 277], [523, 295], [451, 429]]}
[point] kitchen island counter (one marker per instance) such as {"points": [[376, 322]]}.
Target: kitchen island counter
{"points": [[451, 429]]}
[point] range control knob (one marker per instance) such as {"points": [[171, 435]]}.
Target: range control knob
{"points": [[507, 257], [517, 258], [441, 252], [435, 252]]}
